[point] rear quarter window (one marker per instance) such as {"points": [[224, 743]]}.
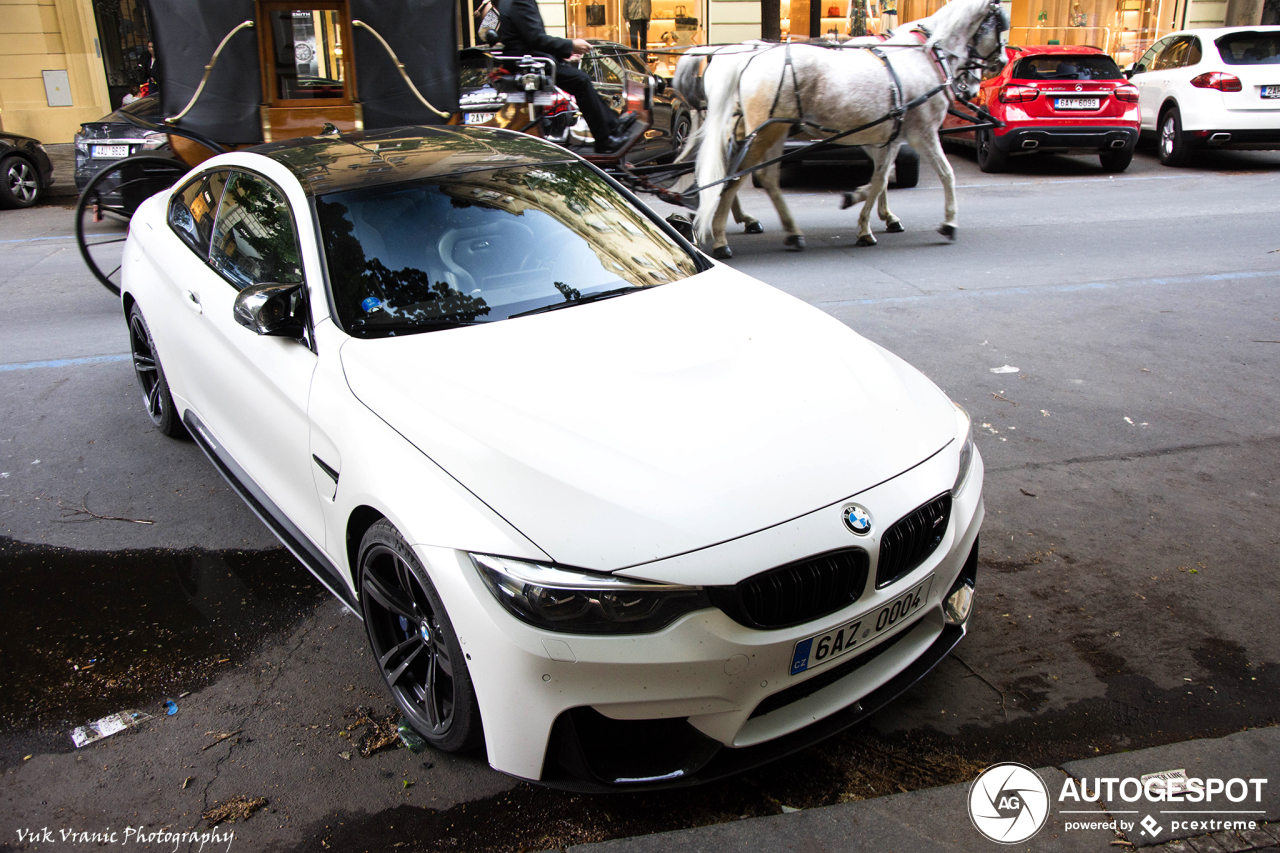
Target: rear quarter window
{"points": [[1250, 48], [1060, 66]]}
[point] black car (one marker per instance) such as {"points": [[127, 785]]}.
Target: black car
{"points": [[619, 76], [905, 171], [113, 137], [25, 170]]}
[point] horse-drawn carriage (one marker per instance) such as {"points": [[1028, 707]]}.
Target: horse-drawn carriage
{"points": [[242, 72]]}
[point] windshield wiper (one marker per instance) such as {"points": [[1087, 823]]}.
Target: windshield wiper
{"points": [[388, 329], [581, 300]]}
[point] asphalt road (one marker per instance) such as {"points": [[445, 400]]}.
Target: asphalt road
{"points": [[1126, 592]]}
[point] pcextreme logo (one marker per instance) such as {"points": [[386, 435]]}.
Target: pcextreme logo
{"points": [[1008, 803]]}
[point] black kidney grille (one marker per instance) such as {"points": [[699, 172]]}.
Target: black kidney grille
{"points": [[912, 538], [797, 592]]}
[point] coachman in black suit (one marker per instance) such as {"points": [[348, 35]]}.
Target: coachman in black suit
{"points": [[521, 32]]}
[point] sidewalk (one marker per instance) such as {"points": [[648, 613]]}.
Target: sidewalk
{"points": [[938, 819]]}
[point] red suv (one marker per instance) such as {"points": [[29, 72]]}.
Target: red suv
{"points": [[1060, 98]]}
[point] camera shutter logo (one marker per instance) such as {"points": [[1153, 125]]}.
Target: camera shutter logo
{"points": [[1008, 803]]}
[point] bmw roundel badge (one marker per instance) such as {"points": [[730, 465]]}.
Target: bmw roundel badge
{"points": [[857, 519]]}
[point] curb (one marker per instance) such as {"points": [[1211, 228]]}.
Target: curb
{"points": [[937, 819]]}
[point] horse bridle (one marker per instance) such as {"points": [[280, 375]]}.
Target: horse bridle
{"points": [[974, 63]]}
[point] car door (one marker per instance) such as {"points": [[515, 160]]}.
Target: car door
{"points": [[182, 259], [1162, 76], [1148, 107], [251, 391]]}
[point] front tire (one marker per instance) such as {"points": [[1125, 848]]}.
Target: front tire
{"points": [[19, 183], [151, 378], [906, 171], [414, 643], [990, 158], [1175, 148]]}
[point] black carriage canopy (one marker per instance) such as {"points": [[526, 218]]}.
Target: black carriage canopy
{"points": [[187, 32]]}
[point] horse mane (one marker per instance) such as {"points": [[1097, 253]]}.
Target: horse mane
{"points": [[946, 20]]}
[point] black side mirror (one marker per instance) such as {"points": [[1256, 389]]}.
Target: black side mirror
{"points": [[659, 85], [682, 224], [279, 310]]}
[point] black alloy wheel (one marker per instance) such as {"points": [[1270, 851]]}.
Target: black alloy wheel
{"points": [[19, 183], [990, 158], [680, 131], [151, 378], [414, 642]]}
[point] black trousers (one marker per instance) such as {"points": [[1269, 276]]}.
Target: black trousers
{"points": [[600, 118], [639, 33]]}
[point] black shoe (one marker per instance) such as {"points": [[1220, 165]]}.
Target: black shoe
{"points": [[612, 144], [624, 123]]}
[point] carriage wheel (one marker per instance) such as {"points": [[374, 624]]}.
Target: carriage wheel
{"points": [[107, 204]]}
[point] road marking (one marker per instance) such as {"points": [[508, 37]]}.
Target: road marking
{"points": [[1060, 288], [64, 362], [33, 239]]}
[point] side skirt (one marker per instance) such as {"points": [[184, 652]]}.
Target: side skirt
{"points": [[290, 536]]}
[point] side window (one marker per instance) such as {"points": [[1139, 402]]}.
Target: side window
{"points": [[608, 71], [1173, 56], [192, 209], [1193, 53], [1148, 58], [254, 241]]}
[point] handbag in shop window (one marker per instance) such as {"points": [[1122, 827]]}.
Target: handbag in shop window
{"points": [[683, 21], [595, 14]]}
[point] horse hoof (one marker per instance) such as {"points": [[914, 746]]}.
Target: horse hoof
{"points": [[753, 228], [894, 227], [846, 201], [795, 243], [722, 253], [948, 231], [866, 240]]}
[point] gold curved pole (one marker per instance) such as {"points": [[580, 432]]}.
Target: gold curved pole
{"points": [[400, 67], [213, 60]]}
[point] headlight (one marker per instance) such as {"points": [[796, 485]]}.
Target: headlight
{"points": [[966, 450], [578, 602]]}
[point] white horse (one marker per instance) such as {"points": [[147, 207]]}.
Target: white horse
{"points": [[756, 96]]}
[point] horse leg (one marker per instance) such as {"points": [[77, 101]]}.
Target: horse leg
{"points": [[750, 224], [873, 191], [930, 149], [720, 244], [892, 224], [769, 179]]}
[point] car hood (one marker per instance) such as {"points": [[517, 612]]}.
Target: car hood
{"points": [[657, 423]]}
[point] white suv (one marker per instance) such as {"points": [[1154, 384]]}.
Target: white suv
{"points": [[1211, 88]]}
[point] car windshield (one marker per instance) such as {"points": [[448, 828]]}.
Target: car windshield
{"points": [[1061, 66], [1250, 48], [487, 245]]}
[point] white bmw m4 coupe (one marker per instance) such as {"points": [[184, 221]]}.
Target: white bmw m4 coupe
{"points": [[626, 516]]}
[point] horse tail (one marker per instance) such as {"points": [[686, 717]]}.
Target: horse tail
{"points": [[720, 83], [688, 78]]}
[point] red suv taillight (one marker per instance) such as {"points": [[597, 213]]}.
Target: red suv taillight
{"points": [[561, 103], [1128, 94], [1216, 80], [1018, 94]]}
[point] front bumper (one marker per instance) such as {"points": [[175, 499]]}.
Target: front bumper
{"points": [[705, 697], [1019, 140]]}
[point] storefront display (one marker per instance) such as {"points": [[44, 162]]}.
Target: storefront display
{"points": [[1123, 28], [672, 24]]}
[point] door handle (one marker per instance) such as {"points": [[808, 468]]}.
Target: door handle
{"points": [[193, 301]]}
